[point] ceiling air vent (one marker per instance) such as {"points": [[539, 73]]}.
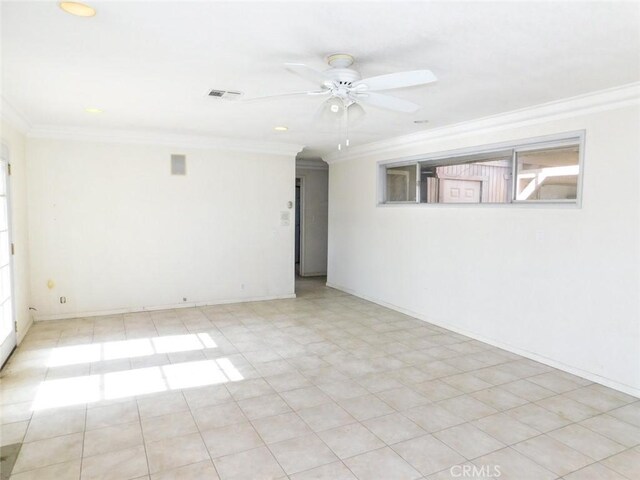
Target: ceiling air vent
{"points": [[226, 94], [178, 165]]}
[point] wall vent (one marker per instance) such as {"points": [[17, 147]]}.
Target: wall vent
{"points": [[226, 94], [178, 165]]}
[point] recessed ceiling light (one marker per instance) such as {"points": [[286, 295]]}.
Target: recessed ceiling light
{"points": [[77, 9], [280, 129], [93, 110], [421, 121]]}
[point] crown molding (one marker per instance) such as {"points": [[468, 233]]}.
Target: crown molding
{"points": [[309, 164], [13, 117], [163, 139], [601, 100]]}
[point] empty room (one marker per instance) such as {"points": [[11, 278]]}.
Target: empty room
{"points": [[307, 240]]}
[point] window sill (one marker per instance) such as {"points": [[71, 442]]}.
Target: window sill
{"points": [[572, 205]]}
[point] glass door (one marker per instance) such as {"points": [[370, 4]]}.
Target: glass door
{"points": [[7, 328]]}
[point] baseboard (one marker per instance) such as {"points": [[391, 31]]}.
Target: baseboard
{"points": [[22, 332], [628, 389], [118, 311]]}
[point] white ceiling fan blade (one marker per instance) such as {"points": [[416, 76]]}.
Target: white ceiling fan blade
{"points": [[308, 73], [388, 102], [395, 80], [290, 94]]}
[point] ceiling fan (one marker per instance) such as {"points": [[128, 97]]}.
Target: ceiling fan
{"points": [[346, 89]]}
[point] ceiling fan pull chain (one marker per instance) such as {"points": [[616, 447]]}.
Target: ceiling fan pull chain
{"points": [[346, 126]]}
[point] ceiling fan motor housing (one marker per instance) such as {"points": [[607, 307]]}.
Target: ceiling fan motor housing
{"points": [[343, 76], [340, 72]]}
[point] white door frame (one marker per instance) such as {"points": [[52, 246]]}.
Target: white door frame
{"points": [[8, 344], [302, 187]]}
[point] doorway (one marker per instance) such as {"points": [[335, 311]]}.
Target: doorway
{"points": [[311, 218], [7, 322]]}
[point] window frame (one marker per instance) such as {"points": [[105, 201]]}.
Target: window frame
{"points": [[452, 157], [416, 186]]}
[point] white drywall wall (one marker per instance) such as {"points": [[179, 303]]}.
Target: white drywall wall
{"points": [[557, 284], [16, 144], [314, 220], [113, 230]]}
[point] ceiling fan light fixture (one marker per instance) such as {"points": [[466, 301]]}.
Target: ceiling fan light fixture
{"points": [[78, 9], [331, 111], [335, 105], [355, 113]]}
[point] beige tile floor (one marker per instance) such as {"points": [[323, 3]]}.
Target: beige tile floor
{"points": [[326, 386]]}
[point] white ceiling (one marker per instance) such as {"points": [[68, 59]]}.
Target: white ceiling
{"points": [[149, 65]]}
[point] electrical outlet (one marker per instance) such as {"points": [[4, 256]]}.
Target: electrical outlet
{"points": [[184, 299], [63, 299]]}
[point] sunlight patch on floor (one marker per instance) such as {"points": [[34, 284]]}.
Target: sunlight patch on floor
{"points": [[130, 383], [141, 347]]}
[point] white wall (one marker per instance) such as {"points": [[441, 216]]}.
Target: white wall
{"points": [[113, 230], [557, 284], [16, 143], [315, 221]]}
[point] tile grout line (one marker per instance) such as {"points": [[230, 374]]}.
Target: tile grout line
{"points": [[144, 442], [410, 385]]}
